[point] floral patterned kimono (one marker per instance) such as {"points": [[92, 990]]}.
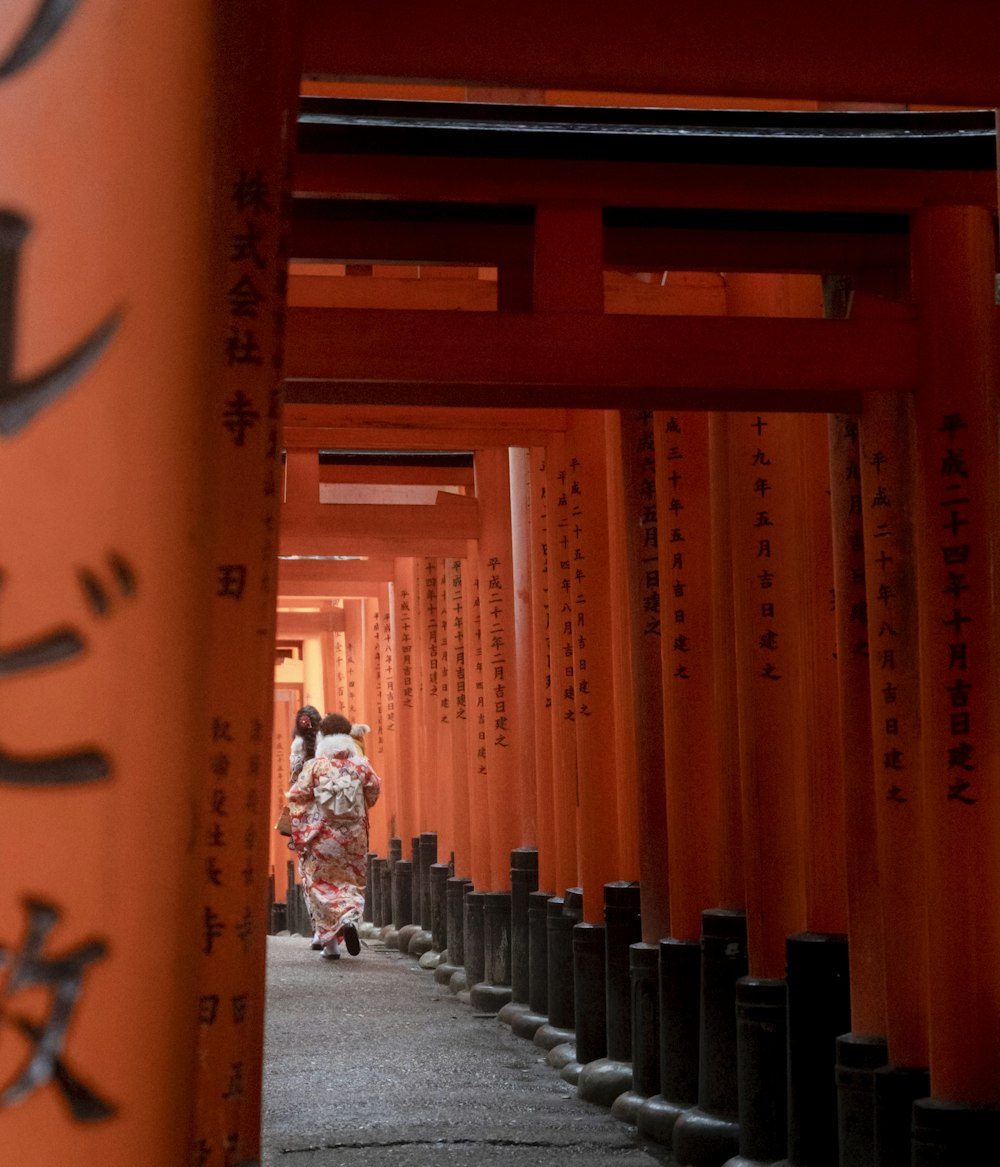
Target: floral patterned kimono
{"points": [[329, 802]]}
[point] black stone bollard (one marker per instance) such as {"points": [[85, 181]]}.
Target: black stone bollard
{"points": [[762, 1069], [947, 1134], [611, 1074], [395, 850], [454, 928], [708, 1134], [590, 997], [402, 901], [538, 952], [417, 876], [386, 896], [858, 1057], [428, 857], [644, 961], [420, 942], [562, 914], [528, 1021], [897, 1090], [523, 881], [819, 1011], [679, 978], [439, 907], [493, 991], [380, 909], [475, 956], [366, 915]]}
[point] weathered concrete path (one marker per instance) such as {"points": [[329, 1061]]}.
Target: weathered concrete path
{"points": [[369, 1061]]}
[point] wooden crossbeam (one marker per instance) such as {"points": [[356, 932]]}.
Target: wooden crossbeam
{"points": [[313, 424], [295, 625], [853, 51], [638, 184], [296, 577], [643, 248], [571, 360], [440, 530]]}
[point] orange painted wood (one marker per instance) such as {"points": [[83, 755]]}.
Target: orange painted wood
{"points": [[692, 777], [558, 558], [864, 873], [636, 184], [543, 641], [367, 529], [281, 744], [589, 597], [708, 355], [443, 750], [638, 248], [390, 728], [80, 559], [504, 722], [406, 706], [953, 276], [311, 577], [765, 477], [568, 258], [423, 780], [645, 622], [524, 647], [292, 625], [462, 759], [724, 704], [621, 665], [825, 864], [404, 475], [886, 487], [416, 428], [479, 869], [857, 52]]}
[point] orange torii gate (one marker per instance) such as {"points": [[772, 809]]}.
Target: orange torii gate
{"points": [[145, 375], [567, 348]]}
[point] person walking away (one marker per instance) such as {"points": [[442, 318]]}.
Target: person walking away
{"points": [[329, 804]]}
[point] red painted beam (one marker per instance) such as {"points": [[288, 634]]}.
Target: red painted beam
{"points": [[601, 361], [892, 51], [315, 425], [637, 184]]}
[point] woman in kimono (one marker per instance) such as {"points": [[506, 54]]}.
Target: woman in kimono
{"points": [[329, 804]]}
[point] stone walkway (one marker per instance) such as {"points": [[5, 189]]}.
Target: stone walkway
{"points": [[369, 1061]]}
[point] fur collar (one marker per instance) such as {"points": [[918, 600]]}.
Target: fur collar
{"points": [[331, 744]]}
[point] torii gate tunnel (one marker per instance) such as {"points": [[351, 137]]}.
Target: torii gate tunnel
{"points": [[625, 459]]}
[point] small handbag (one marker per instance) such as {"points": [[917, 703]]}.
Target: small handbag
{"points": [[284, 824]]}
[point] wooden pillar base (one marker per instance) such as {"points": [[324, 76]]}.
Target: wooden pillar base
{"points": [[945, 1133], [897, 1088], [858, 1057], [475, 955], [493, 991], [562, 915], [708, 1133], [455, 889], [680, 991], [590, 992], [762, 1070], [819, 1011], [644, 963]]}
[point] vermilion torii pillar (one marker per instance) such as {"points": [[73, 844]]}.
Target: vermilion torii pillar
{"points": [[505, 784], [121, 270], [953, 280], [542, 664]]}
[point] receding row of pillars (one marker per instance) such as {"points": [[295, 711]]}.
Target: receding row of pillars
{"points": [[675, 1037]]}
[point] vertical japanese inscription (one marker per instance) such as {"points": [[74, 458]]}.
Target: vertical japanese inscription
{"points": [[28, 970], [957, 568]]}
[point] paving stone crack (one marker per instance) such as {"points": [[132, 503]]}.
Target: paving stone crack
{"points": [[459, 1142]]}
